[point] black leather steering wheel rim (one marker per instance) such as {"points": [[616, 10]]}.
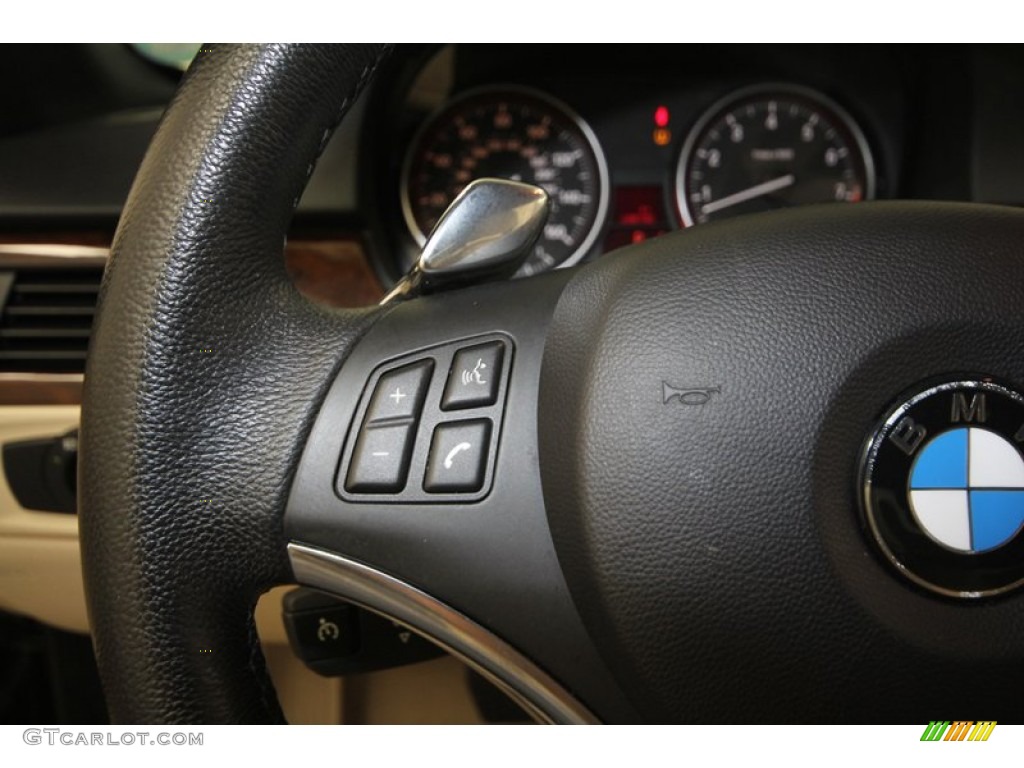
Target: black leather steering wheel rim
{"points": [[196, 320]]}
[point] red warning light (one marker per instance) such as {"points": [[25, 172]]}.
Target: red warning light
{"points": [[661, 116]]}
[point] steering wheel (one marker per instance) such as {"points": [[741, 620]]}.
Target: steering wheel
{"points": [[655, 514]]}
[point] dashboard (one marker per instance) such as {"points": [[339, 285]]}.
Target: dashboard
{"points": [[631, 141]]}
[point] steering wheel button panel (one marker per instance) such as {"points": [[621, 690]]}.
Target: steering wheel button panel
{"points": [[399, 393], [458, 457], [474, 377], [404, 418], [380, 462]]}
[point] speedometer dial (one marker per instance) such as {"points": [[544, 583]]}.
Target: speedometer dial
{"points": [[771, 147], [518, 135]]}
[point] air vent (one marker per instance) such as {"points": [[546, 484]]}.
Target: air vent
{"points": [[46, 319]]}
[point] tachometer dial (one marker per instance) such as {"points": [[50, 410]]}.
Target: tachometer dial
{"points": [[771, 147], [518, 135]]}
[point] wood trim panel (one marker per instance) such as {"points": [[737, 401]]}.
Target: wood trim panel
{"points": [[40, 389], [332, 270]]}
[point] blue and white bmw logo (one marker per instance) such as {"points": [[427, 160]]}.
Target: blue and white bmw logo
{"points": [[967, 490], [942, 488]]}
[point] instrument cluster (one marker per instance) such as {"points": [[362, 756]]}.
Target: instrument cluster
{"points": [[628, 150]]}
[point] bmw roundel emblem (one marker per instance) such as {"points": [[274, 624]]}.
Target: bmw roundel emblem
{"points": [[942, 488]]}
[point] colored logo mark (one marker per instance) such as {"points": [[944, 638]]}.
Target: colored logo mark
{"points": [[967, 490], [965, 730]]}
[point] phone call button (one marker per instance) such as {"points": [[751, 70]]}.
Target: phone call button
{"points": [[458, 457]]}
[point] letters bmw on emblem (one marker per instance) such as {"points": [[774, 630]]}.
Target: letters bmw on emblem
{"points": [[942, 488]]}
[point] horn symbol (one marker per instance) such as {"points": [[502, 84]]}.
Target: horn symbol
{"points": [[688, 396]]}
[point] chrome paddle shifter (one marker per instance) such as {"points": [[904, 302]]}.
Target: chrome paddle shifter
{"points": [[486, 234]]}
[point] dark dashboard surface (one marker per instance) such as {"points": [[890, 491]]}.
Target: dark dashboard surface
{"points": [[940, 122]]}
